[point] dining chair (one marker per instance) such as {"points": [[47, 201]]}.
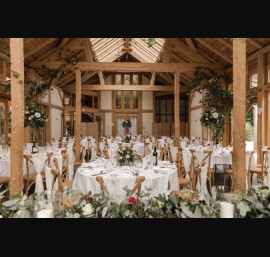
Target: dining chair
{"points": [[229, 172], [88, 150], [210, 171], [137, 187], [30, 179], [261, 170], [63, 179], [183, 182], [106, 154]]}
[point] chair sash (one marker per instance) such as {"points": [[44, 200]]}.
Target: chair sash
{"points": [[39, 160]]}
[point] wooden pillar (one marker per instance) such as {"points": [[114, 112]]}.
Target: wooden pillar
{"points": [[17, 115], [78, 114], [6, 121], [239, 113], [72, 123], [261, 103], [177, 108]]}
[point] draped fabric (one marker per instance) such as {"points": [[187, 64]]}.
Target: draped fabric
{"points": [[120, 129], [133, 128], [39, 160], [115, 185]]}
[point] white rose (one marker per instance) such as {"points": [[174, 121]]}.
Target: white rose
{"points": [[215, 115], [30, 118], [160, 204], [120, 158], [127, 156], [27, 112], [87, 209], [206, 118], [37, 114]]}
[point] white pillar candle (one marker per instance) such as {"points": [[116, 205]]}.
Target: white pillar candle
{"points": [[226, 210], [47, 213]]}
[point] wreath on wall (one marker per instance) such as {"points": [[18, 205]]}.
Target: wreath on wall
{"points": [[127, 123]]}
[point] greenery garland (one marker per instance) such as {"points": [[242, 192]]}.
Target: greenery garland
{"points": [[218, 100], [190, 205], [44, 76]]}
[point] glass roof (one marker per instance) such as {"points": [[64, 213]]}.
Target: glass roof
{"points": [[110, 49]]}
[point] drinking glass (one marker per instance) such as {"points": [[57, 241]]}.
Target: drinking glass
{"points": [[47, 204]]}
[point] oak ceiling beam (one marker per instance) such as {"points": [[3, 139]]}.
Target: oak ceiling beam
{"points": [[180, 46], [142, 67], [39, 47], [254, 43], [89, 57], [191, 44], [133, 88], [216, 51], [227, 43], [63, 42]]}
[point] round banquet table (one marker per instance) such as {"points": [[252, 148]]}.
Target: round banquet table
{"points": [[161, 182], [5, 164]]}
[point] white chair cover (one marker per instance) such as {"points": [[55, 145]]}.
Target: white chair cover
{"points": [[203, 187], [93, 154], [115, 185], [174, 151], [39, 160], [187, 160]]}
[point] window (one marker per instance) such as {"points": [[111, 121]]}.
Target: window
{"points": [[254, 80], [164, 109], [127, 100]]}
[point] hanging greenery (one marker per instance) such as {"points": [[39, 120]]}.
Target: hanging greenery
{"points": [[217, 100], [44, 77], [151, 42]]}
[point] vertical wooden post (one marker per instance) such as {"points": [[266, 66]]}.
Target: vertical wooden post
{"points": [[260, 126], [6, 121], [239, 113], [17, 115], [177, 108], [49, 136], [78, 114]]}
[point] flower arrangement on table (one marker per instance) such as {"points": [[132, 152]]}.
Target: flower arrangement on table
{"points": [[127, 123], [126, 139], [126, 155], [35, 119]]}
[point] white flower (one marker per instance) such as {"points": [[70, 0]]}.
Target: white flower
{"points": [[27, 112], [120, 158], [206, 118], [30, 118], [87, 209], [215, 115], [160, 204], [37, 114], [127, 156]]}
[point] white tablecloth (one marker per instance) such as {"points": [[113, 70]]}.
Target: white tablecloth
{"points": [[84, 182]]}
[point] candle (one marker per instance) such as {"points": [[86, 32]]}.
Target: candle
{"points": [[47, 213], [226, 210]]}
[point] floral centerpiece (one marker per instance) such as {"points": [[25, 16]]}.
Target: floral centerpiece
{"points": [[35, 119], [127, 123], [126, 155], [126, 139]]}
